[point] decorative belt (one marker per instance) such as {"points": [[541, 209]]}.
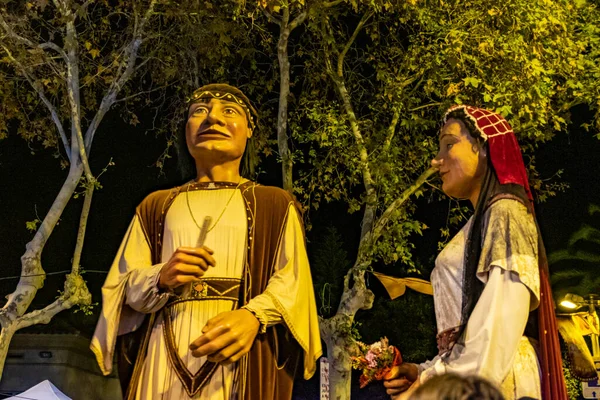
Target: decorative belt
{"points": [[209, 289], [203, 289]]}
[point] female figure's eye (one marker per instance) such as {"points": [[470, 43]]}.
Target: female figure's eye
{"points": [[449, 146], [230, 111], [200, 110]]}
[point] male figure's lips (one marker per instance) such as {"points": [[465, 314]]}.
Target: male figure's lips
{"points": [[212, 132]]}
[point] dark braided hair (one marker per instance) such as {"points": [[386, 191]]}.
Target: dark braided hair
{"points": [[490, 191]]}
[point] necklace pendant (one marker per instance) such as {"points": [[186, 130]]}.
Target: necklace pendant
{"points": [[199, 289]]}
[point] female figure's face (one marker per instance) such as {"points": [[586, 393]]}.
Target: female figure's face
{"points": [[461, 161]]}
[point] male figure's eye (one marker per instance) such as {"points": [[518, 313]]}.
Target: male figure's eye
{"points": [[200, 110]]}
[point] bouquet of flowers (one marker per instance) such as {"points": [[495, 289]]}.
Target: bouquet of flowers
{"points": [[377, 361]]}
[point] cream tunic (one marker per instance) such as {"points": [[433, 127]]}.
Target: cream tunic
{"points": [[494, 346], [228, 240]]}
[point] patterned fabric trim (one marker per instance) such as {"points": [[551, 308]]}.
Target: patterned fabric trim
{"points": [[204, 289], [488, 123], [447, 339], [211, 289], [260, 316], [192, 383]]}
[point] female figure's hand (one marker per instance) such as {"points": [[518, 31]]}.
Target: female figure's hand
{"points": [[404, 378]]}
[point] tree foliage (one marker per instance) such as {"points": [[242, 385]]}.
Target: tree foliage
{"points": [[530, 61], [574, 268], [378, 76]]}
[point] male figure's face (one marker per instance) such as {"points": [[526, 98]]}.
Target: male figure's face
{"points": [[216, 131]]}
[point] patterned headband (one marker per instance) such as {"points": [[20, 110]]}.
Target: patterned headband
{"points": [[223, 95]]}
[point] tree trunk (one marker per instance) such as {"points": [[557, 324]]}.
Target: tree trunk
{"points": [[339, 361], [32, 273], [12, 315], [282, 114], [5, 338], [75, 292], [337, 331]]}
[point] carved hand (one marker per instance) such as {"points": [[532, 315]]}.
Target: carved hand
{"points": [[187, 264], [227, 337], [406, 375]]}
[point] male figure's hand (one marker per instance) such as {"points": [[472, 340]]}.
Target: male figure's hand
{"points": [[187, 264], [227, 337], [405, 377]]}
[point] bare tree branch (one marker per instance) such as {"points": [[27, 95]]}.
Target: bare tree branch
{"points": [[123, 99], [55, 47], [85, 212], [37, 86], [75, 292], [329, 4], [73, 93], [385, 217], [85, 5], [47, 45], [285, 16], [298, 20], [361, 24], [271, 17], [339, 81], [33, 274], [391, 130], [437, 103], [128, 63]]}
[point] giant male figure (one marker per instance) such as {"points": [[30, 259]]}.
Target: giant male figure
{"points": [[223, 306]]}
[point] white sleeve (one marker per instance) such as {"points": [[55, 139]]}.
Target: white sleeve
{"points": [[141, 292], [428, 364], [493, 331]]}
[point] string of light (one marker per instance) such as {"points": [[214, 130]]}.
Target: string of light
{"points": [[87, 271]]}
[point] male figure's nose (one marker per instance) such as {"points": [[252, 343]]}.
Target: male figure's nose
{"points": [[215, 116]]}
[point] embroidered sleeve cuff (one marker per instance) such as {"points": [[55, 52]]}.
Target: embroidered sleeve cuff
{"points": [[143, 294], [260, 316], [154, 277]]}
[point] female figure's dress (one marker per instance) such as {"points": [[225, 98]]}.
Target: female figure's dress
{"points": [[493, 345]]}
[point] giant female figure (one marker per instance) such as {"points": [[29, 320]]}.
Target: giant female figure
{"points": [[492, 297]]}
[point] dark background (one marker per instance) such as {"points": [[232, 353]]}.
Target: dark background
{"points": [[31, 181]]}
